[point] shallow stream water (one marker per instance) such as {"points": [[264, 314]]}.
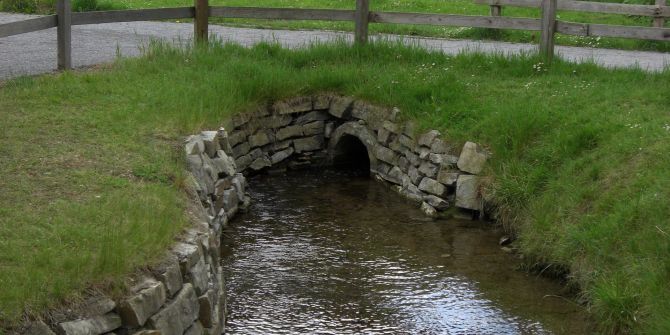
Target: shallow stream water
{"points": [[327, 252]]}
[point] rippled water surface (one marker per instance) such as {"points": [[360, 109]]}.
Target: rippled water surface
{"points": [[328, 253]]}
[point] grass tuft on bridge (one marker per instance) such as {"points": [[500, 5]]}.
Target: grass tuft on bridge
{"points": [[91, 161]]}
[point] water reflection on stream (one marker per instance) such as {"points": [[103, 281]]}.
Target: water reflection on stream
{"points": [[328, 253]]}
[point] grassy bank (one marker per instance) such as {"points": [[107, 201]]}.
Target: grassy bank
{"points": [[463, 7], [90, 161]]}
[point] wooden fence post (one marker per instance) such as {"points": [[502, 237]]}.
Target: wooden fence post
{"points": [[548, 24], [201, 22], [659, 22], [64, 34], [362, 21], [496, 10]]}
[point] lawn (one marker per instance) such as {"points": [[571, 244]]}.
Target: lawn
{"points": [[91, 161], [464, 7]]}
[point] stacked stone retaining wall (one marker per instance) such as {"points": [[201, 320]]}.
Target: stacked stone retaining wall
{"points": [[306, 131]]}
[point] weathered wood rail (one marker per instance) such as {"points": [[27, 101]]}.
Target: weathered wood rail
{"points": [[548, 24]]}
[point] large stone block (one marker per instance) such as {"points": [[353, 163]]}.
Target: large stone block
{"points": [[289, 132], [179, 315], [340, 107], [396, 146], [384, 137], [412, 192], [467, 193], [240, 119], [259, 139], [392, 127], [407, 142], [97, 305], [413, 158], [436, 202], [241, 149], [294, 105], [260, 163], [202, 177], [403, 164], [274, 121], [92, 326], [243, 162], [236, 137], [472, 159], [207, 315], [240, 184], [187, 254], [314, 128], [211, 141], [429, 169], [447, 177], [439, 146], [426, 139], [414, 175], [423, 152], [432, 186], [230, 200], [386, 155], [396, 175], [322, 101], [147, 299], [256, 153], [281, 155], [374, 116], [224, 163], [198, 276], [312, 116], [194, 145], [308, 144], [223, 141], [170, 275]]}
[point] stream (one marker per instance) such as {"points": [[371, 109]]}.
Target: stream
{"points": [[330, 252]]}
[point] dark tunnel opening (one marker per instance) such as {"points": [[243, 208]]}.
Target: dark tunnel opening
{"points": [[351, 154]]}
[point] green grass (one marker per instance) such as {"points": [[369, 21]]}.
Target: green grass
{"points": [[91, 165], [464, 7]]}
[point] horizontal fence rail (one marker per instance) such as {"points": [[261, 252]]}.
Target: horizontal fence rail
{"points": [[362, 17], [28, 26], [456, 20], [606, 30], [587, 6], [282, 13], [132, 15]]}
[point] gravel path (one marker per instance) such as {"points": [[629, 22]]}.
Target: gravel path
{"points": [[35, 53]]}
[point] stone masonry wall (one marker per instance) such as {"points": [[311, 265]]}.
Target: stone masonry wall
{"points": [[185, 294], [305, 131]]}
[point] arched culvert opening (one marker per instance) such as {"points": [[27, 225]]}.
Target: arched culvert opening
{"points": [[351, 154], [352, 145]]}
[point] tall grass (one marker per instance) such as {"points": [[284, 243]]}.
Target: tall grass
{"points": [[90, 160]]}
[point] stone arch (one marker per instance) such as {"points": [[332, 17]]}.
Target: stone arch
{"points": [[352, 133]]}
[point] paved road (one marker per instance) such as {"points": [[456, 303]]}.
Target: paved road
{"points": [[35, 53]]}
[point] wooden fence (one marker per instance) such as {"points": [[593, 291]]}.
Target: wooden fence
{"points": [[548, 24]]}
